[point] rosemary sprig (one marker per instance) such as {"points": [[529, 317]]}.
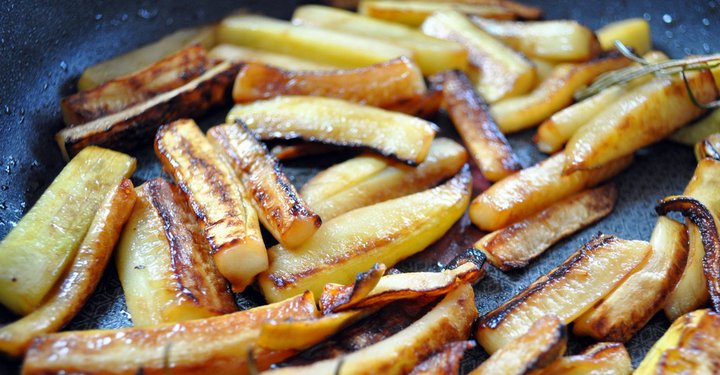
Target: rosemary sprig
{"points": [[644, 67]]}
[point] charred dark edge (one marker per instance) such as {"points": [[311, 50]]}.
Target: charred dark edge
{"points": [[699, 215], [470, 255], [494, 318], [598, 350], [551, 350], [367, 278]]}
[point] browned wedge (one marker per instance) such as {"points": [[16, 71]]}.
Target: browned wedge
{"points": [[516, 245], [379, 85], [81, 278], [222, 206], [240, 55], [124, 92], [165, 263], [218, 345], [338, 122], [136, 124], [569, 290], [534, 189], [345, 186], [283, 212], [542, 344], [446, 361], [413, 13], [602, 358], [629, 307]]}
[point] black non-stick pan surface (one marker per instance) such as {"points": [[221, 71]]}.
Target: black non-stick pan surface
{"points": [[45, 45]]}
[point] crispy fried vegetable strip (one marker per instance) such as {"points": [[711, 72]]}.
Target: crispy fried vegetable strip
{"points": [[413, 13], [81, 278], [603, 358], [568, 291], [280, 208], [669, 340], [533, 189], [471, 117], [344, 176], [334, 295], [124, 92], [237, 54], [516, 245], [698, 131], [220, 203], [446, 361], [38, 250], [136, 124], [218, 345]]}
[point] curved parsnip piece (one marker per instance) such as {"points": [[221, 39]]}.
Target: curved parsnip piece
{"points": [[450, 320], [446, 361], [516, 245], [240, 55], [556, 40], [569, 290], [503, 72], [217, 345], [318, 45], [432, 55], [414, 13], [165, 264], [603, 358], [385, 233], [691, 291], [331, 194], [340, 123], [471, 117], [641, 117], [543, 342], [553, 94], [632, 32], [379, 85], [81, 278], [703, 128], [629, 307], [38, 250], [222, 206], [146, 55], [534, 189], [280, 208]]}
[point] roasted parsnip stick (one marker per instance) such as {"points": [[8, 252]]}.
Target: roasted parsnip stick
{"points": [[413, 13], [669, 340], [240, 55], [632, 32], [446, 361]]}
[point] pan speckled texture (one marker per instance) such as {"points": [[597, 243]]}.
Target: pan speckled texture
{"points": [[44, 46]]}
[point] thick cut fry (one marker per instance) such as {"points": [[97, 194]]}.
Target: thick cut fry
{"points": [[382, 233], [217, 345], [340, 123], [471, 117], [222, 206], [568, 291], [669, 340], [516, 245], [703, 128], [280, 208], [446, 361], [331, 193], [81, 278], [534, 189], [432, 55], [240, 55], [553, 94], [380, 85], [503, 72], [557, 40], [641, 117], [318, 45], [165, 264], [450, 320], [40, 247], [609, 358], [542, 344], [136, 124], [632, 32], [146, 55], [414, 13], [629, 307]]}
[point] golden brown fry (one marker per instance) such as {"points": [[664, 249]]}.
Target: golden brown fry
{"points": [[446, 361], [471, 117], [553, 94], [240, 55], [344, 176], [136, 124], [380, 85], [632, 32], [414, 13], [165, 264], [542, 344], [222, 206], [218, 345], [568, 291], [603, 358], [629, 307], [81, 278], [334, 295], [534, 189], [516, 245]]}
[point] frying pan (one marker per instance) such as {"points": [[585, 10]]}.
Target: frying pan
{"points": [[45, 45]]}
